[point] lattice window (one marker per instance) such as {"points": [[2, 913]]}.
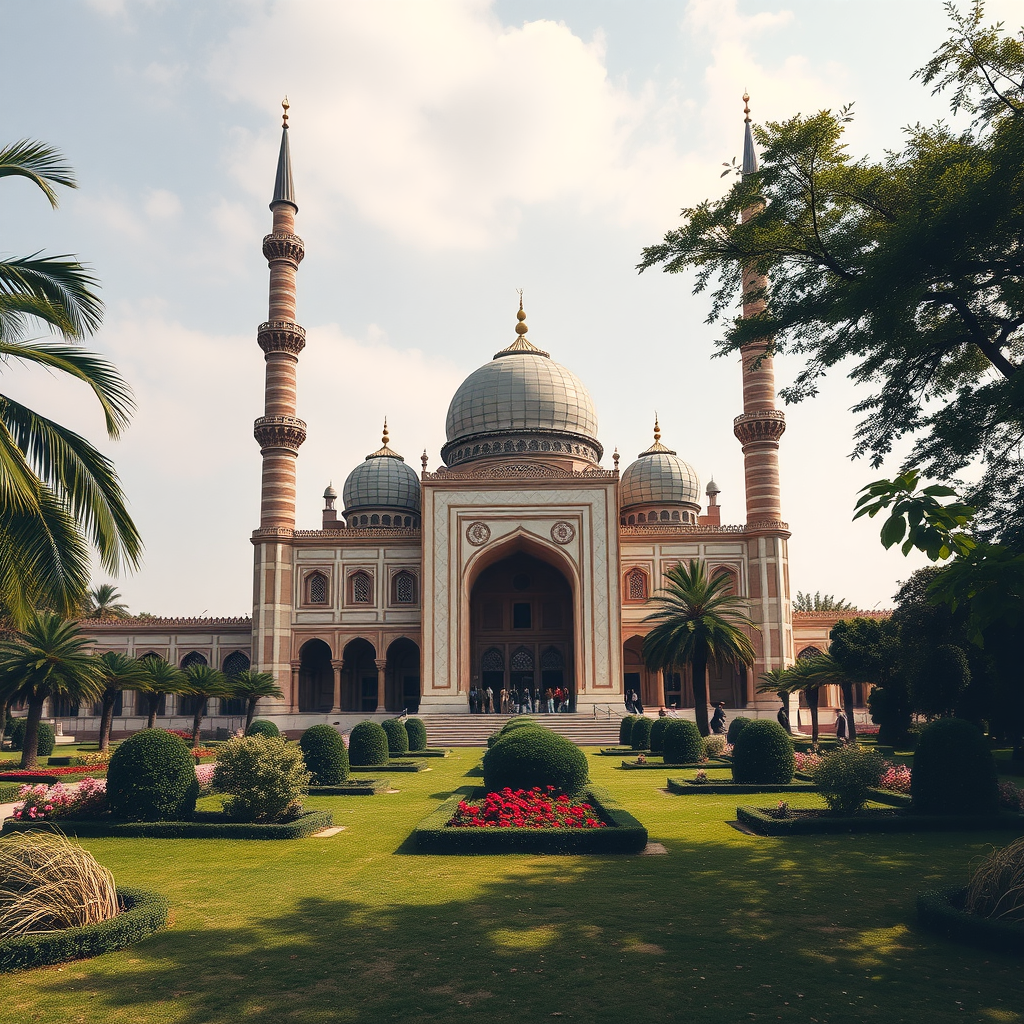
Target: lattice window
{"points": [[551, 660], [193, 658], [522, 660], [636, 585], [316, 588], [809, 652], [362, 588], [405, 588], [236, 662], [493, 660]]}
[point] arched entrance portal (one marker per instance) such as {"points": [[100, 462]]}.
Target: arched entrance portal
{"points": [[521, 627], [316, 677], [359, 677], [402, 681]]}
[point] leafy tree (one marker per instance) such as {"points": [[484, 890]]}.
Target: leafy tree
{"points": [[860, 649], [118, 672], [49, 658], [201, 683], [818, 602], [57, 492], [253, 686], [908, 267], [158, 681], [104, 602], [698, 620]]}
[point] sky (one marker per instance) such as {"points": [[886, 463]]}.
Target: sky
{"points": [[445, 155]]}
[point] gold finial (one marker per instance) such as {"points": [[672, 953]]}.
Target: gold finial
{"points": [[746, 106], [384, 439], [615, 459], [284, 118], [424, 460], [657, 428], [521, 327]]}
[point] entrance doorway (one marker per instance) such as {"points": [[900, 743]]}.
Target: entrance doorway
{"points": [[359, 677], [316, 677], [402, 680]]}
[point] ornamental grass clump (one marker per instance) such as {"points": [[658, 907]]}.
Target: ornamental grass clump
{"points": [[537, 757], [954, 770], [626, 730], [763, 754], [714, 745], [265, 779], [398, 738], [657, 738], [152, 777], [996, 889], [640, 737], [48, 883], [417, 733], [683, 743], [325, 755], [262, 727], [367, 745], [846, 777]]}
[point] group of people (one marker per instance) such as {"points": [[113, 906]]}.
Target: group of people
{"points": [[634, 705], [719, 727], [519, 701]]}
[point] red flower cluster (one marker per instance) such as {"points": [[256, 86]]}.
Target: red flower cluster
{"points": [[52, 773], [521, 808]]}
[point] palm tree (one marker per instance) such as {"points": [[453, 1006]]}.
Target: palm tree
{"points": [[158, 680], [57, 492], [104, 602], [818, 602], [203, 682], [698, 620], [48, 658], [253, 685], [807, 676], [119, 673]]}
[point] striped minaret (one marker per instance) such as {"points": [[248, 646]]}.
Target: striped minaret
{"points": [[761, 424], [279, 431]]}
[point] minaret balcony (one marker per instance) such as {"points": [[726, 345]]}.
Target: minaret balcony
{"points": [[763, 425], [281, 336], [286, 432], [280, 246]]}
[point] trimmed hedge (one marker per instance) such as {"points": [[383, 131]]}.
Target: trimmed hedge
{"points": [[417, 733], [942, 912], [525, 758], [367, 745], [763, 753], [954, 770], [152, 777], [686, 786], [624, 835], [736, 726], [683, 742], [757, 820], [325, 754], [46, 738], [626, 730], [640, 737], [398, 738], [142, 913], [516, 723], [263, 727], [203, 825], [657, 739], [354, 787]]}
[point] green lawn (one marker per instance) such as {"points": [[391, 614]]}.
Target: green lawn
{"points": [[725, 928]]}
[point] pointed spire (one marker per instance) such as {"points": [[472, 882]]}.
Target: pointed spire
{"points": [[384, 452], [657, 448], [284, 187], [749, 152], [521, 344]]}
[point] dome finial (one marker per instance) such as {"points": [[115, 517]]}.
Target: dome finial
{"points": [[384, 438], [657, 447], [657, 428], [615, 459], [522, 343], [424, 460], [521, 327], [284, 106], [385, 452], [746, 106], [749, 165]]}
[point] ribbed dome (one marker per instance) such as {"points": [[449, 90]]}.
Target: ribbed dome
{"points": [[382, 482], [659, 477], [521, 401]]}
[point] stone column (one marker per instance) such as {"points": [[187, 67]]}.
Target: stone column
{"points": [[293, 697], [337, 664], [381, 664]]}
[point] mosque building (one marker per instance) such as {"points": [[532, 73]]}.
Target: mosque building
{"points": [[522, 561]]}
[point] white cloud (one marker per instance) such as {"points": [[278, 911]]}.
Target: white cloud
{"points": [[162, 204]]}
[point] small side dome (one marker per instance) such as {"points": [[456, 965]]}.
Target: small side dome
{"points": [[382, 484], [659, 477], [330, 492], [712, 489]]}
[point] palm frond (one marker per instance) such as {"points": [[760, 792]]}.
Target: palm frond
{"points": [[251, 683], [52, 658], [62, 288], [40, 163], [19, 485]]}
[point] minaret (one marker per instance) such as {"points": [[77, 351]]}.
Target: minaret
{"points": [[761, 424], [279, 431]]}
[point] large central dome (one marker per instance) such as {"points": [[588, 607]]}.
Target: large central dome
{"points": [[522, 402]]}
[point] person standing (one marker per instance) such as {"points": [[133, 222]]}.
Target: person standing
{"points": [[783, 717], [549, 696], [718, 719], [842, 728], [638, 706], [488, 700]]}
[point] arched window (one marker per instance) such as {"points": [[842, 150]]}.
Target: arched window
{"points": [[664, 516], [403, 588], [632, 520], [642, 517], [809, 652], [522, 660], [675, 517], [636, 585], [385, 520], [493, 660], [193, 658], [360, 588], [317, 588], [551, 660], [375, 519], [235, 662]]}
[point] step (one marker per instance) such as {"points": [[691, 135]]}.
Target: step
{"points": [[472, 730]]}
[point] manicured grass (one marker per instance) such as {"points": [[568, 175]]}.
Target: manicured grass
{"points": [[355, 928]]}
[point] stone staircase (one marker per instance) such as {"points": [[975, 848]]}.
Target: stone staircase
{"points": [[473, 730]]}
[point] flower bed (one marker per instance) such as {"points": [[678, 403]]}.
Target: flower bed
{"points": [[525, 809], [142, 913], [48, 774], [1011, 797], [47, 803], [618, 831], [802, 822], [942, 912]]}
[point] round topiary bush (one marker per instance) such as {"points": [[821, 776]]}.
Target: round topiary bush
{"points": [[46, 739], [261, 727], [736, 726], [640, 736], [417, 733], [626, 730], [152, 777], [398, 738], [367, 745], [846, 776], [954, 771], [325, 754], [264, 777], [526, 758], [683, 743], [763, 753], [657, 737], [516, 723]]}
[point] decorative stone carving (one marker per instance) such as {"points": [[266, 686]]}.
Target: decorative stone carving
{"points": [[284, 247], [563, 532], [519, 471], [766, 425], [478, 534], [281, 336], [280, 432], [516, 442]]}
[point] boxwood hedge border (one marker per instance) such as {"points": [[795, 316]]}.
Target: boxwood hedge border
{"points": [[942, 912], [625, 833], [685, 786], [204, 825], [391, 766], [362, 787], [142, 913], [764, 824], [712, 763], [429, 752]]}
